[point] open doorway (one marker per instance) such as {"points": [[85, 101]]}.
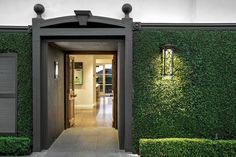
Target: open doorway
{"points": [[85, 88], [92, 90]]}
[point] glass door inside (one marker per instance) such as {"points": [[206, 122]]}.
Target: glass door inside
{"points": [[104, 78]]}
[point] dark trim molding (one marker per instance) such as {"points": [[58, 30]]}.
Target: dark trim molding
{"points": [[12, 95], [136, 26], [9, 134], [91, 19], [15, 29], [91, 52], [203, 26]]}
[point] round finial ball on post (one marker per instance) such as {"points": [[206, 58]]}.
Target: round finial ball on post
{"points": [[126, 8], [39, 9]]}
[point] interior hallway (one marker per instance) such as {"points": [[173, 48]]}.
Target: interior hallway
{"points": [[100, 116]]}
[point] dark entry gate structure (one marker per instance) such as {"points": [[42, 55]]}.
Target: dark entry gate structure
{"points": [[83, 25]]}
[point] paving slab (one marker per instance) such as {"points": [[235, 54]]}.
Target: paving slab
{"points": [[87, 142]]}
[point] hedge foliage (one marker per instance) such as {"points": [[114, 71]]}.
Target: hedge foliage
{"points": [[186, 147], [200, 100], [14, 145], [20, 43]]}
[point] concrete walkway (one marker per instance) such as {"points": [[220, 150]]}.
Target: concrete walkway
{"points": [[87, 142]]}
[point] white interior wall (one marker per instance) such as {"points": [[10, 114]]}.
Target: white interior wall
{"points": [[20, 12], [94, 81], [103, 59], [85, 92]]}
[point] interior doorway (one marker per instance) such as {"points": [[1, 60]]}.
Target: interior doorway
{"points": [[91, 90]]}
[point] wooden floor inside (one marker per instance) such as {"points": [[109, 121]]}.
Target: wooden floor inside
{"points": [[99, 116]]}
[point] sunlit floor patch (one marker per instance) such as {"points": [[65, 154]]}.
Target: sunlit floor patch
{"points": [[99, 116]]}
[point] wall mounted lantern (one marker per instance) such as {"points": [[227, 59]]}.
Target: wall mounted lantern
{"points": [[56, 70], [168, 60]]}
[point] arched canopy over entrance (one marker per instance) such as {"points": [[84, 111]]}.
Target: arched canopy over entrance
{"points": [[83, 25]]}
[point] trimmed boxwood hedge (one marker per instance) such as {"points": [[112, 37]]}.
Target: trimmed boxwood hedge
{"points": [[186, 147], [20, 43], [200, 100], [14, 145]]}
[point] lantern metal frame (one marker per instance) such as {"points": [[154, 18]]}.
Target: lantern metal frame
{"points": [[168, 60]]}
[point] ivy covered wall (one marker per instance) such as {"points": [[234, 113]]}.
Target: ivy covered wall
{"points": [[20, 43], [200, 100]]}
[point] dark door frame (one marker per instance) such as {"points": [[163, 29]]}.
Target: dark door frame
{"points": [[89, 27]]}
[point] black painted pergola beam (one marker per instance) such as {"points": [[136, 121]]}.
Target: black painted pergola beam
{"points": [[82, 32]]}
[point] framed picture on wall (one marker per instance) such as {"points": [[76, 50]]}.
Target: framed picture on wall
{"points": [[78, 73]]}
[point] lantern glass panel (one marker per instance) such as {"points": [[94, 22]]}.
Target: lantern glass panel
{"points": [[168, 62]]}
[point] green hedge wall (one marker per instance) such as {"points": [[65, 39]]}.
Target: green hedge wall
{"points": [[14, 145], [200, 100], [184, 147], [20, 43]]}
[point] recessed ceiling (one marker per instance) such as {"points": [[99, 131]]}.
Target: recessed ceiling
{"points": [[101, 45]]}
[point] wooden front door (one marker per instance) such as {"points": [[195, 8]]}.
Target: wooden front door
{"points": [[70, 92], [114, 89]]}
